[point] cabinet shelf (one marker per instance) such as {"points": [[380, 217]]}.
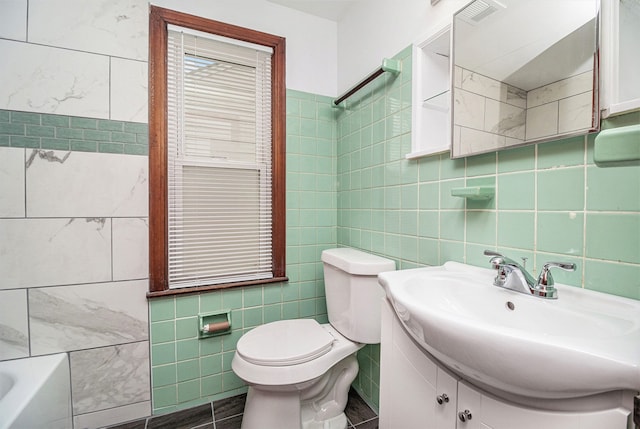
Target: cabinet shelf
{"points": [[440, 101]]}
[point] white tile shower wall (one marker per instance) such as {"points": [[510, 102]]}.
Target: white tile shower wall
{"points": [[51, 80], [74, 274], [13, 20], [89, 63], [94, 315], [11, 183], [73, 226], [110, 27], [112, 185], [14, 329]]}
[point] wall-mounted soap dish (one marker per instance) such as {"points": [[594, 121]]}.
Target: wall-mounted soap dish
{"points": [[474, 192]]}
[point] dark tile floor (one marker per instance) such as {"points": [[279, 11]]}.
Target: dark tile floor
{"points": [[227, 414]]}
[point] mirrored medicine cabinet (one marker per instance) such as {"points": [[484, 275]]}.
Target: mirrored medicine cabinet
{"points": [[523, 72]]}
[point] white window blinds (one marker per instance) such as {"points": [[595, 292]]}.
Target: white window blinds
{"points": [[219, 161]]}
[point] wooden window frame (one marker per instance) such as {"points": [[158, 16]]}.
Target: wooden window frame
{"points": [[159, 18]]}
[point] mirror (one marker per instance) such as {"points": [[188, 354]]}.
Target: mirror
{"points": [[523, 72]]}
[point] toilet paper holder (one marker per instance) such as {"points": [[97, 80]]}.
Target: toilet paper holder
{"points": [[214, 323]]}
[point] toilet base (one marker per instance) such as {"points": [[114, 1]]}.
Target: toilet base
{"points": [[317, 404]]}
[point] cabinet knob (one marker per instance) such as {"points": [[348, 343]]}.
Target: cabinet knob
{"points": [[441, 399], [464, 415]]}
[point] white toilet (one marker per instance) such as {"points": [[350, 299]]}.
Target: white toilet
{"points": [[299, 371]]}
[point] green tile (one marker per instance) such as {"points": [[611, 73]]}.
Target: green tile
{"points": [[612, 277], [136, 149], [252, 317], [108, 125], [211, 345], [560, 233], [187, 349], [188, 370], [561, 153], [230, 341], [164, 396], [290, 310], [232, 298], [84, 146], [5, 141], [452, 168], [56, 120], [188, 390], [30, 142], [162, 354], [69, 133], [162, 332], [25, 118], [516, 191], [55, 144], [447, 201], [481, 227], [99, 136], [613, 189], [561, 189], [163, 375], [613, 236], [211, 385], [187, 305], [516, 229], [136, 128], [110, 148], [142, 138], [210, 365], [5, 115], [162, 309], [85, 123], [12, 129], [481, 165], [230, 381], [123, 137], [186, 328], [40, 131], [452, 225], [516, 159]]}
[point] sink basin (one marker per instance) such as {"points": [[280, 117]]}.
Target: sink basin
{"points": [[581, 344]]}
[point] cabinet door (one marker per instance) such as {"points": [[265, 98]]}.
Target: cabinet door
{"points": [[488, 412], [621, 56], [408, 380]]}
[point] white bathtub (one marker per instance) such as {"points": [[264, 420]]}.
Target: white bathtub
{"points": [[35, 393]]}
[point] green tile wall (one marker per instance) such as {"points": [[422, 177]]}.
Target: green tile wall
{"points": [[187, 371], [552, 202], [58, 132]]}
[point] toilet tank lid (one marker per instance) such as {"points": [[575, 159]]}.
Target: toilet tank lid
{"points": [[357, 262]]}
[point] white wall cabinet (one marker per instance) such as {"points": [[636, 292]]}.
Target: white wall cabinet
{"points": [[431, 98], [413, 384], [620, 56]]}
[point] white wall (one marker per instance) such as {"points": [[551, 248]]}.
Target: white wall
{"points": [[376, 29], [311, 41]]}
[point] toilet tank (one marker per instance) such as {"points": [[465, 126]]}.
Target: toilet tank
{"points": [[353, 293]]}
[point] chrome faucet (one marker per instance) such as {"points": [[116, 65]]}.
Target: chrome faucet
{"points": [[512, 275]]}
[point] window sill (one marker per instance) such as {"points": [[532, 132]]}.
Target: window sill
{"points": [[188, 290]]}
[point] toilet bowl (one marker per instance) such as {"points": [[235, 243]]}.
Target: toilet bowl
{"points": [[299, 371]]}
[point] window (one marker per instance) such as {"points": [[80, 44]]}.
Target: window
{"points": [[216, 158]]}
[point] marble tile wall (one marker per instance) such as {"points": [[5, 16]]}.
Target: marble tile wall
{"points": [[74, 259], [73, 197]]}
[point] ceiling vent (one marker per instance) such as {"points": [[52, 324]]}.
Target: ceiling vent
{"points": [[479, 10]]}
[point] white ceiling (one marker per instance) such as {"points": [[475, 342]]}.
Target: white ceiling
{"points": [[332, 10]]}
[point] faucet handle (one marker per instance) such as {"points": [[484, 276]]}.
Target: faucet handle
{"points": [[545, 279], [492, 253], [497, 259]]}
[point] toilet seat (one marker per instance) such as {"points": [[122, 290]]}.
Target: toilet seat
{"points": [[285, 342]]}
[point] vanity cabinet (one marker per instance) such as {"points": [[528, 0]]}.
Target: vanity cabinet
{"points": [[620, 56], [412, 385]]}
